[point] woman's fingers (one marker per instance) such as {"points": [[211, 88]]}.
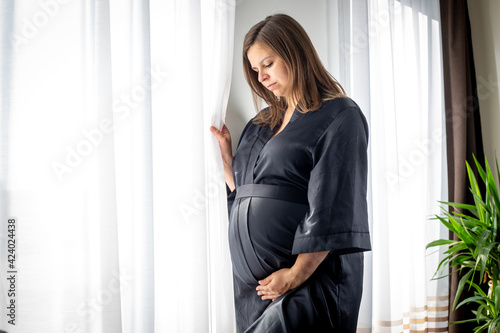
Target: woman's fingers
{"points": [[223, 135], [271, 296], [266, 281], [265, 289], [225, 130], [276, 284], [216, 132]]}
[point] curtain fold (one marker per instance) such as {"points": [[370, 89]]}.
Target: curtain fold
{"points": [[217, 40], [6, 64], [109, 167], [129, 61], [463, 123], [388, 57]]}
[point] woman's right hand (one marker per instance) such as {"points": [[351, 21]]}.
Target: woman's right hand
{"points": [[224, 138]]}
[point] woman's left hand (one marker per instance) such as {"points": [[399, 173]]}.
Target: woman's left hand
{"points": [[286, 279], [277, 284]]}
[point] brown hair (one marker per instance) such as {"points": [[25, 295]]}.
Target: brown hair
{"points": [[311, 84]]}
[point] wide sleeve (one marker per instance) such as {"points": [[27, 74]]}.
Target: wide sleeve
{"points": [[337, 220]]}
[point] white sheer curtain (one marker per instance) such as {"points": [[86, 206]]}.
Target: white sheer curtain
{"points": [[108, 166], [387, 53]]}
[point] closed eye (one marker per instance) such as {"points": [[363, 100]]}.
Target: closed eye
{"points": [[266, 66]]}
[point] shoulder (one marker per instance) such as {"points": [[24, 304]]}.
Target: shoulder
{"points": [[251, 129], [251, 125], [338, 113], [344, 130], [337, 106]]}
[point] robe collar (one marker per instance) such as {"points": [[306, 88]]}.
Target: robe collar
{"points": [[296, 114]]}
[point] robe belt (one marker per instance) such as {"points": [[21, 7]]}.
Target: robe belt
{"points": [[286, 193]]}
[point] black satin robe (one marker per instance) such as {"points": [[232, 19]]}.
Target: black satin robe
{"points": [[302, 191]]}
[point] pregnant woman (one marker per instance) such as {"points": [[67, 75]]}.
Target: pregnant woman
{"points": [[298, 213]]}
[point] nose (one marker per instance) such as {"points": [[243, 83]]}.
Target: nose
{"points": [[262, 76]]}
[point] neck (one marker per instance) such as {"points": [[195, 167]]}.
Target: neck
{"points": [[291, 105]]}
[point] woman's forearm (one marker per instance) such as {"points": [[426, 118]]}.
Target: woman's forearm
{"points": [[228, 174], [306, 264], [286, 279], [224, 138]]}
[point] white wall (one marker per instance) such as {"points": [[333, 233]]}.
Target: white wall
{"points": [[312, 15], [485, 27]]}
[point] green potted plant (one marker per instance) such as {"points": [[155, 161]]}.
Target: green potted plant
{"points": [[477, 252]]}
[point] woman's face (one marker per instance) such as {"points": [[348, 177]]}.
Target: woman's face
{"points": [[271, 69]]}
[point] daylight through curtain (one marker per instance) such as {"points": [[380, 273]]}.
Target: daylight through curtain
{"points": [[387, 53], [107, 165]]}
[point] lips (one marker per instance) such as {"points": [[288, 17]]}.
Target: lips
{"points": [[271, 86]]}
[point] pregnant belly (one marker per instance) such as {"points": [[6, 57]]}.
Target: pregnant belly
{"points": [[271, 226]]}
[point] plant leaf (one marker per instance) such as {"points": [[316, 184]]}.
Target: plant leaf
{"points": [[440, 242], [496, 296], [460, 287], [473, 299]]}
